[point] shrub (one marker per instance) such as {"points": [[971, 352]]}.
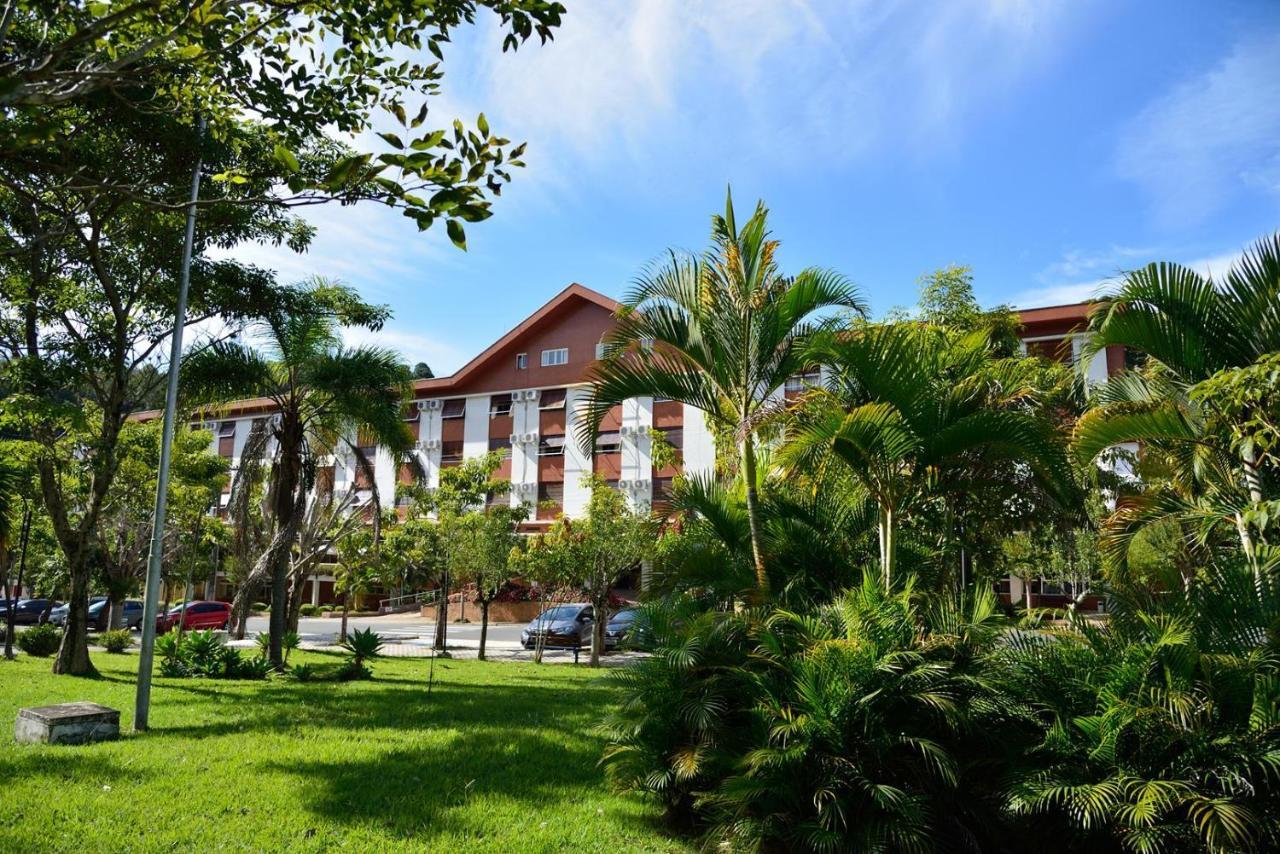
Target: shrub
{"points": [[206, 654], [288, 643], [40, 641], [304, 672], [259, 607], [116, 641], [309, 610], [360, 645]]}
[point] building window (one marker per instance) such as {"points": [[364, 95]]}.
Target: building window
{"points": [[450, 453], [227, 439], [411, 413], [558, 356], [674, 436], [522, 361], [499, 404], [455, 408], [552, 398], [551, 446], [662, 489], [551, 491], [500, 443], [609, 443], [802, 382], [497, 499]]}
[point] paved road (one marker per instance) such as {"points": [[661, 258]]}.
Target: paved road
{"points": [[399, 627]]}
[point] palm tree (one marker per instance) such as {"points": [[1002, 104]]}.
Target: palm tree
{"points": [[1193, 332], [323, 396], [721, 333], [917, 412]]}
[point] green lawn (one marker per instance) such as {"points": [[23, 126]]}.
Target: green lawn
{"points": [[501, 757]]}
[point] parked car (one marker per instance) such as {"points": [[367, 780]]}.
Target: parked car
{"points": [[563, 627], [100, 613], [27, 612], [198, 615], [58, 616], [624, 627]]}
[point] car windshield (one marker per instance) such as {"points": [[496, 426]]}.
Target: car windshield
{"points": [[562, 612], [627, 616], [97, 606]]}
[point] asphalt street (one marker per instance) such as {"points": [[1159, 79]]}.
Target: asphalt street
{"points": [[398, 627]]}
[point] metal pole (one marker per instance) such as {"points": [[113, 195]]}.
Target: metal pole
{"points": [[142, 702]]}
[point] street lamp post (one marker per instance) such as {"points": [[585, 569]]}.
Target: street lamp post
{"points": [[142, 701]]}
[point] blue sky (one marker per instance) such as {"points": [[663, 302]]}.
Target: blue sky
{"points": [[1049, 145]]}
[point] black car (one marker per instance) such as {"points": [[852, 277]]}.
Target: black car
{"points": [[100, 613], [625, 628], [27, 612], [563, 627]]}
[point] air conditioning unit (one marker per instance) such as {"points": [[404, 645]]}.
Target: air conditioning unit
{"points": [[514, 438], [516, 395], [641, 484], [530, 437], [526, 487], [626, 430], [531, 394], [431, 444], [430, 405], [624, 484]]}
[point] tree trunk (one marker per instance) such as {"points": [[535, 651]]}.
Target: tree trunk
{"points": [[442, 617], [599, 619], [484, 626], [9, 593], [73, 654], [753, 516], [346, 608], [115, 604], [888, 545]]}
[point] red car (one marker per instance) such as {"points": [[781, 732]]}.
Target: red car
{"points": [[198, 615]]}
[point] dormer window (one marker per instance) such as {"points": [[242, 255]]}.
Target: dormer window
{"points": [[558, 356], [522, 361]]}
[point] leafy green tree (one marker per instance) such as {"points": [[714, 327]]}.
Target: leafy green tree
{"points": [[325, 398], [296, 72], [594, 550], [917, 412], [443, 517], [87, 296], [481, 554], [422, 371], [721, 333], [11, 504], [947, 299], [124, 538], [356, 569]]}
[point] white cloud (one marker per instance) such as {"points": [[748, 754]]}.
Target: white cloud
{"points": [[414, 347], [1209, 136], [790, 80], [1063, 281]]}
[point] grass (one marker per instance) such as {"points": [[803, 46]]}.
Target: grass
{"points": [[500, 757]]}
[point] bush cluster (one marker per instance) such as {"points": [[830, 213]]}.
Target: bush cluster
{"points": [[116, 641], [259, 607], [893, 722], [206, 655], [39, 641]]}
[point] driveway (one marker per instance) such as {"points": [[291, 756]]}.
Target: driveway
{"points": [[399, 627]]}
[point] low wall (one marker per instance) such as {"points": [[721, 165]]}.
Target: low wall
{"points": [[499, 612]]}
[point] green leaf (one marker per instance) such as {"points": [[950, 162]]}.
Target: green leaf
{"points": [[456, 234], [286, 158], [392, 139], [483, 124]]}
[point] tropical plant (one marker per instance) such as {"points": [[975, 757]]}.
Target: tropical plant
{"points": [[330, 401], [1160, 733], [303, 672], [116, 640], [361, 645], [41, 641], [720, 333], [1201, 406], [481, 552], [918, 413]]}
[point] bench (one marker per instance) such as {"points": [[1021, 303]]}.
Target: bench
{"points": [[67, 723]]}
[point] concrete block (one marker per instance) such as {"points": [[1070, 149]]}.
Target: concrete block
{"points": [[67, 723]]}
